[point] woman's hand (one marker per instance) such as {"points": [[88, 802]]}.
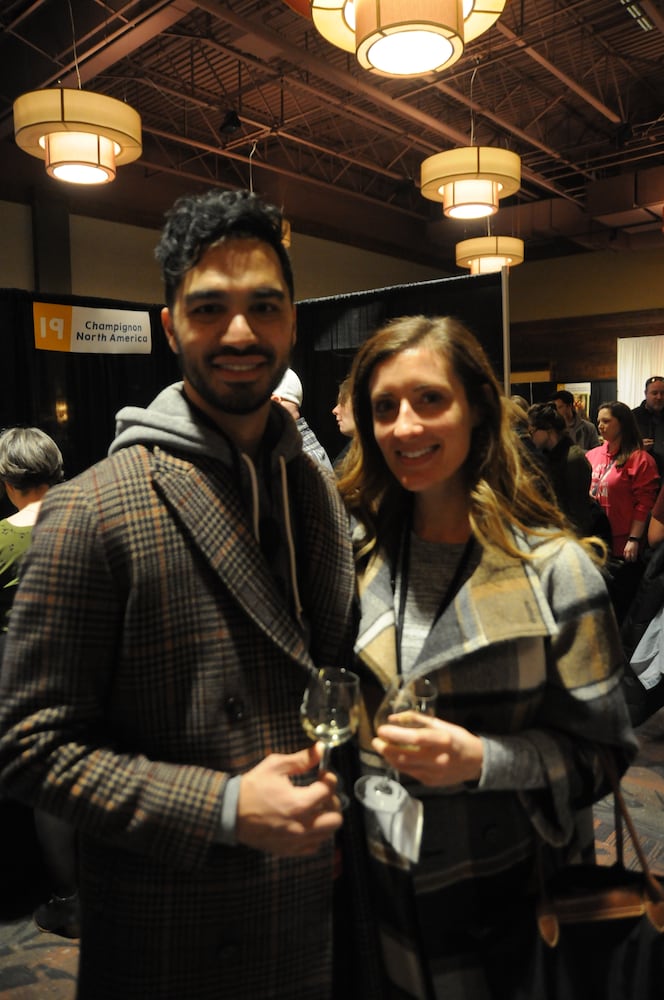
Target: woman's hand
{"points": [[434, 752], [631, 550]]}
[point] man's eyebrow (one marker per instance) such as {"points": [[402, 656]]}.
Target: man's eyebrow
{"points": [[268, 292], [218, 294]]}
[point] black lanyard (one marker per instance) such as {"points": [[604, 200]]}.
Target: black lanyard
{"points": [[450, 591]]}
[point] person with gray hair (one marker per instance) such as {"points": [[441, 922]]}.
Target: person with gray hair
{"points": [[30, 463]]}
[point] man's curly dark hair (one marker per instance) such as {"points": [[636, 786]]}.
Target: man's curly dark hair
{"points": [[195, 222]]}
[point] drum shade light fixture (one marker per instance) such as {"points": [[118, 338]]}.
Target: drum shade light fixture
{"points": [[479, 15], [486, 254], [403, 37], [82, 136], [469, 181], [408, 37], [335, 20], [302, 7]]}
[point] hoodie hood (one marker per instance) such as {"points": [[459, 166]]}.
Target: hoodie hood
{"points": [[172, 423]]}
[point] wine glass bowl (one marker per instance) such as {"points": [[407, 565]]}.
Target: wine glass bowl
{"points": [[406, 695], [408, 698], [330, 710]]}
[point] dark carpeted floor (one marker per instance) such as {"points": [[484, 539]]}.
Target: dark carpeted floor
{"points": [[36, 966]]}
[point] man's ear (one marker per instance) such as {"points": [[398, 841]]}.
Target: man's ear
{"points": [[167, 323], [294, 334]]}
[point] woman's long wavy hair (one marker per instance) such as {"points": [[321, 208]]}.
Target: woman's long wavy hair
{"points": [[501, 478], [630, 435]]}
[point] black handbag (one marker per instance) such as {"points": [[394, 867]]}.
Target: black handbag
{"points": [[597, 931]]}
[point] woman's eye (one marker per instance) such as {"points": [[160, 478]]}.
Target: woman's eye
{"points": [[432, 397], [382, 407]]}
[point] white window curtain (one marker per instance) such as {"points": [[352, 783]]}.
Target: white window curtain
{"points": [[638, 359]]}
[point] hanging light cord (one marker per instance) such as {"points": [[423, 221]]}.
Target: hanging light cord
{"points": [[73, 38], [472, 108], [251, 169]]}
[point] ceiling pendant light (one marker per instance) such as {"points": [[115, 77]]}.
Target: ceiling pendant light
{"points": [[408, 37], [302, 7], [335, 20], [479, 15], [469, 181], [83, 137], [486, 254]]}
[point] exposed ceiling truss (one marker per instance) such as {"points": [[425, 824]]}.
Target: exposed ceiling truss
{"points": [[576, 88]]}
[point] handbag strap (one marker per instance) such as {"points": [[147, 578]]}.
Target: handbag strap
{"points": [[622, 815], [548, 919]]}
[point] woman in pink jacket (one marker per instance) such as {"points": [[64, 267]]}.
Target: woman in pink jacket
{"points": [[624, 481]]}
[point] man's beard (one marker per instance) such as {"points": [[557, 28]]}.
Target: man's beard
{"points": [[239, 399]]}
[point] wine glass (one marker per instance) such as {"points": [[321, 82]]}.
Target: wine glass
{"points": [[330, 711], [384, 793]]}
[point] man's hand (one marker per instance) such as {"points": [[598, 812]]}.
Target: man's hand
{"points": [[278, 817]]}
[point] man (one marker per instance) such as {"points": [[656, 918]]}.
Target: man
{"points": [[175, 601], [582, 432], [289, 394], [343, 412], [649, 416]]}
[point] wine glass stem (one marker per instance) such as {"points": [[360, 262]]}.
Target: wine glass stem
{"points": [[324, 764]]}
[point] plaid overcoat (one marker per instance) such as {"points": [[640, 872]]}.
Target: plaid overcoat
{"points": [[528, 657], [150, 657]]}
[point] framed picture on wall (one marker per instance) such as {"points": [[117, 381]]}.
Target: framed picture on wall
{"points": [[581, 393]]}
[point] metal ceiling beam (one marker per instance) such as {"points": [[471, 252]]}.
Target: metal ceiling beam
{"points": [[270, 167], [112, 48], [559, 75], [316, 66], [654, 14]]}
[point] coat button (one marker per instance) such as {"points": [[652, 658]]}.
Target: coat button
{"points": [[234, 709]]}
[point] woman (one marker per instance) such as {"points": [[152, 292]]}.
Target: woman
{"points": [[30, 464], [343, 412], [568, 471], [469, 577], [624, 481]]}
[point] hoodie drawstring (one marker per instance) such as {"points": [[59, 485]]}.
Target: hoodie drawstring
{"points": [[288, 527], [255, 505], [289, 538]]}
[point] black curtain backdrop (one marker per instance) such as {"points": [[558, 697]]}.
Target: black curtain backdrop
{"points": [[329, 331], [95, 386]]}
